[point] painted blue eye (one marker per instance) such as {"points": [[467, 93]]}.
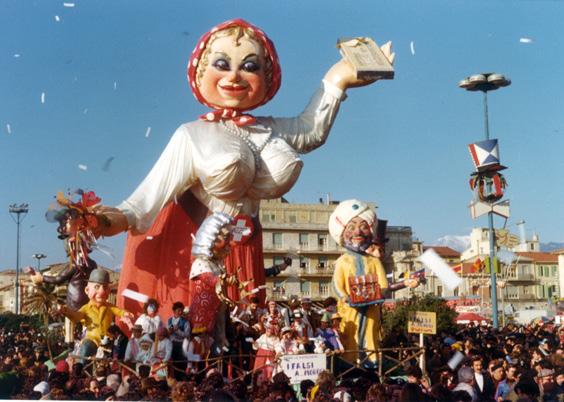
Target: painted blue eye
{"points": [[221, 64], [250, 66]]}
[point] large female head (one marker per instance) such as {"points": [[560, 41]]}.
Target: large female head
{"points": [[234, 66]]}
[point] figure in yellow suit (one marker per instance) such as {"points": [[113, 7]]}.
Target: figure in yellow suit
{"points": [[360, 279]]}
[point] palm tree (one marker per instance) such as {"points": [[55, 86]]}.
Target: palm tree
{"points": [[42, 301]]}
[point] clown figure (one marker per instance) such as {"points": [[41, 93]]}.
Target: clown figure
{"points": [[360, 279]]}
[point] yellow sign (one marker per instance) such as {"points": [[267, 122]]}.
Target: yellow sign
{"points": [[422, 322]]}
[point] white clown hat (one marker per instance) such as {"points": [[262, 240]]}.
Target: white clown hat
{"points": [[347, 210]]}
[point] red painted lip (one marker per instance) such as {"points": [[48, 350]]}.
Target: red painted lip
{"points": [[233, 88]]}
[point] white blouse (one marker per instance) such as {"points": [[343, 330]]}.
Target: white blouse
{"points": [[230, 169]]}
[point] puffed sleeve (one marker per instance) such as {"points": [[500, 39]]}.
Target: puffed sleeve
{"points": [[310, 129], [172, 174]]}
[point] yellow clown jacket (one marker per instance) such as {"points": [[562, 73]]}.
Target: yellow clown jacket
{"points": [[96, 320], [361, 326]]}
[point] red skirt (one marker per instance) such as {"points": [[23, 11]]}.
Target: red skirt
{"points": [[157, 263]]}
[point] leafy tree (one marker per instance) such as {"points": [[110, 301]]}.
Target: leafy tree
{"points": [[395, 320]]}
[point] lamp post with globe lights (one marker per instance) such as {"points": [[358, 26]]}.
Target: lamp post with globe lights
{"points": [[18, 211], [488, 82], [39, 257]]}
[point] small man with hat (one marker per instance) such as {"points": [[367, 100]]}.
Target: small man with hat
{"points": [[97, 315]]}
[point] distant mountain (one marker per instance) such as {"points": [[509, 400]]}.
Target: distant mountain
{"points": [[551, 246], [458, 243]]}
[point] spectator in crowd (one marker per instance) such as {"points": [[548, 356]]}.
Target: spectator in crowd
{"points": [[162, 353], [119, 342], [310, 316], [150, 320], [507, 385], [483, 382], [466, 382], [288, 344], [331, 338], [144, 356], [303, 329], [265, 346], [178, 329], [133, 344]]}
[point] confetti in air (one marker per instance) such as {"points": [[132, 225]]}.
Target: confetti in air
{"points": [[17, 55], [115, 85], [57, 18], [69, 5], [107, 164], [8, 128], [412, 45], [83, 167], [526, 40], [148, 132], [42, 97]]}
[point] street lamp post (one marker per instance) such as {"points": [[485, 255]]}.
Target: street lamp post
{"points": [[39, 257], [488, 82], [18, 211]]}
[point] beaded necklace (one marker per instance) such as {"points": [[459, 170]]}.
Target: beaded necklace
{"points": [[244, 135]]}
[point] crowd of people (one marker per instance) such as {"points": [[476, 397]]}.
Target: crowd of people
{"points": [[166, 360]]}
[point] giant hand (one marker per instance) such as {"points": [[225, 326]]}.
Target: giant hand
{"points": [[343, 76]]}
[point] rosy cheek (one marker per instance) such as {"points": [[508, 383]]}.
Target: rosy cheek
{"points": [[257, 86]]}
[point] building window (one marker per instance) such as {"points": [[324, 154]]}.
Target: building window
{"points": [[546, 271], [292, 217], [322, 241], [304, 240], [303, 262], [539, 270], [268, 217], [304, 288], [322, 262], [324, 288], [277, 240], [439, 291]]}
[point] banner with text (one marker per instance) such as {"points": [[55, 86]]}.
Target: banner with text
{"points": [[303, 367]]}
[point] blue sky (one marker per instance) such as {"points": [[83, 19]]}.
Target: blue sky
{"points": [[111, 69]]}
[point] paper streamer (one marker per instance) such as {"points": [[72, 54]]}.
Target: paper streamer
{"points": [[455, 360], [131, 294], [440, 268]]}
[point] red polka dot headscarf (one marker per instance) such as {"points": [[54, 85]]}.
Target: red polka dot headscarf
{"points": [[273, 80]]}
